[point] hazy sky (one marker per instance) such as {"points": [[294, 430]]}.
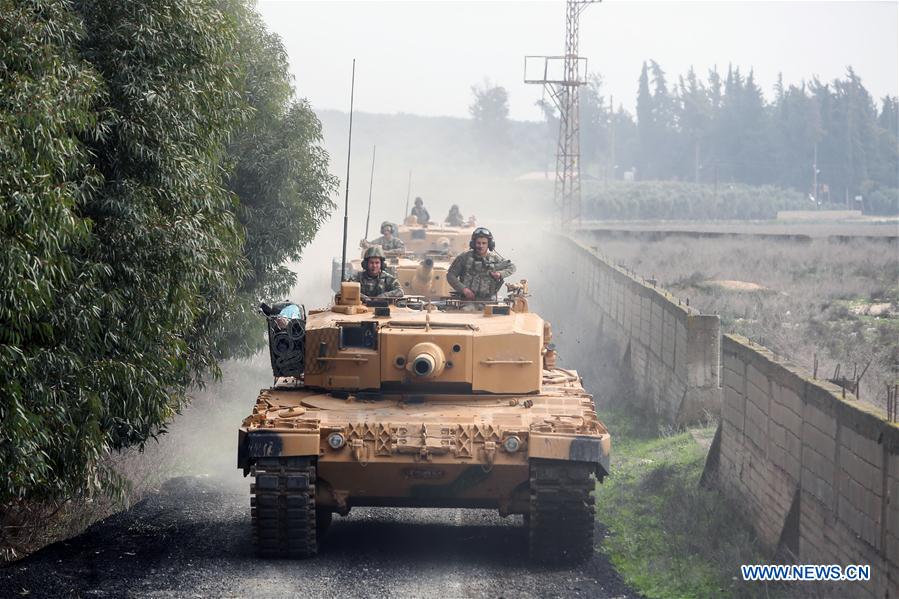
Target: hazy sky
{"points": [[423, 57]]}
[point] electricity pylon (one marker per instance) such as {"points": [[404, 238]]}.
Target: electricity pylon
{"points": [[562, 77]]}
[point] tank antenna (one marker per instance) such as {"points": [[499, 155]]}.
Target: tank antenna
{"points": [[408, 191], [346, 199], [371, 184]]}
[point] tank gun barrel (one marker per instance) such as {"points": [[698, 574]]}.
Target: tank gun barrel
{"points": [[426, 360], [423, 272]]}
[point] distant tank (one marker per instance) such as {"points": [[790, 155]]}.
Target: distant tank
{"points": [[421, 268], [434, 239], [421, 404]]}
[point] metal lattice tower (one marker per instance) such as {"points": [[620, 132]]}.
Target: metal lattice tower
{"points": [[562, 77]]}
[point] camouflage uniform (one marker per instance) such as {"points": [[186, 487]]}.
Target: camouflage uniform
{"points": [[421, 213], [389, 245], [472, 271], [455, 219], [383, 285]]}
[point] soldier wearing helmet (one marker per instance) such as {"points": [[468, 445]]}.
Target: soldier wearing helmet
{"points": [[478, 273], [455, 218], [373, 280], [420, 212], [388, 240]]}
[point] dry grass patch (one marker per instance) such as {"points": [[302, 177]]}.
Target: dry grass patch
{"points": [[836, 300]]}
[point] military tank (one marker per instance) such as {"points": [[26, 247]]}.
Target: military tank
{"points": [[420, 269], [414, 403], [434, 238]]}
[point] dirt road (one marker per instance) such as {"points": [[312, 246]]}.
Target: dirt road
{"points": [[192, 539]]}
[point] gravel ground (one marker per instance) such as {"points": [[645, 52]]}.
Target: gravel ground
{"points": [[192, 539]]}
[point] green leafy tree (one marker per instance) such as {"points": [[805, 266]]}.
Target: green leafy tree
{"points": [[694, 116], [128, 262], [646, 126], [48, 423], [279, 174], [490, 112], [594, 121]]}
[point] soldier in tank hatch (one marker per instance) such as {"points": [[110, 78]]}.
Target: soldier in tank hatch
{"points": [[374, 282], [455, 218], [388, 240], [420, 212], [478, 273]]}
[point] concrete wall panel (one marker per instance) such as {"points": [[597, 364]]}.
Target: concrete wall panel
{"points": [[843, 456], [674, 350]]}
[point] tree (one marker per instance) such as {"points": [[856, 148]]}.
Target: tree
{"points": [[646, 126], [694, 115], [46, 106], [279, 174], [552, 130], [594, 120], [490, 111], [127, 259]]}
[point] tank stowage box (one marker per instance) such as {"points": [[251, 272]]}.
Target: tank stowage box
{"points": [[448, 404]]}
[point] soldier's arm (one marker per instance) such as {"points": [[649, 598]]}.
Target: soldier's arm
{"points": [[393, 289], [453, 274], [505, 268]]}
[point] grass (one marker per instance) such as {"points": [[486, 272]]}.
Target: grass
{"points": [[810, 304], [667, 536]]}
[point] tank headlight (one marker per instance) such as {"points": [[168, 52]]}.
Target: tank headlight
{"points": [[512, 444], [336, 441]]}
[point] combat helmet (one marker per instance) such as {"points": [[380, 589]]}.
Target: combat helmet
{"points": [[387, 224], [374, 251], [482, 232]]}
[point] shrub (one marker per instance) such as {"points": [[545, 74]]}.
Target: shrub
{"points": [[674, 200]]}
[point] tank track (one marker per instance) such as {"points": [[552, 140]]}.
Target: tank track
{"points": [[563, 509], [282, 506]]}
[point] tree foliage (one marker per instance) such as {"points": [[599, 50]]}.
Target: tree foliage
{"points": [[280, 175], [490, 112], [676, 200], [133, 237], [723, 129]]}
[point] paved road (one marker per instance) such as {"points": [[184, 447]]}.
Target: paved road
{"points": [[192, 539]]}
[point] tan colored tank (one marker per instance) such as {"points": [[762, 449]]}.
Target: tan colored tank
{"points": [[430, 239], [421, 269], [447, 404]]}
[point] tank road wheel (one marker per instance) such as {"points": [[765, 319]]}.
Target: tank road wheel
{"points": [[563, 509], [283, 507]]}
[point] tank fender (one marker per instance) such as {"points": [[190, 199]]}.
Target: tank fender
{"points": [[271, 443], [571, 448]]}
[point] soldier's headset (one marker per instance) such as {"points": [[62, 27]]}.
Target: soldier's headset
{"points": [[482, 232]]}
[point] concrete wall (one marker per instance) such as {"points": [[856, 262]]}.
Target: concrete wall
{"points": [[817, 474], [669, 349]]}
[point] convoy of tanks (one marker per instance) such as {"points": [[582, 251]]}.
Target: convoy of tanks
{"points": [[422, 263], [425, 400]]}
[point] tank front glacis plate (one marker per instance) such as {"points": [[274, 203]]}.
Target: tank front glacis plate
{"points": [[427, 450]]}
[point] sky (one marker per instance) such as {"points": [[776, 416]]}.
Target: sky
{"points": [[423, 57]]}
